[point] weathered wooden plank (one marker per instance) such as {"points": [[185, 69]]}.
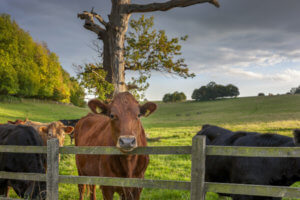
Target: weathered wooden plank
{"points": [[22, 149], [23, 176], [210, 150], [198, 168], [52, 169], [126, 182], [116, 151], [254, 190], [6, 198], [253, 151]]}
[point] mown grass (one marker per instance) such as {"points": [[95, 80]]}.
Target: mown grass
{"points": [[175, 124]]}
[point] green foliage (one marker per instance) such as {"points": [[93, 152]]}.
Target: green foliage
{"points": [[92, 77], [77, 93], [8, 79], [213, 91], [295, 90], [261, 94], [174, 97], [29, 69], [148, 50]]}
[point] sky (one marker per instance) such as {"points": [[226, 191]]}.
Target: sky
{"points": [[253, 44]]}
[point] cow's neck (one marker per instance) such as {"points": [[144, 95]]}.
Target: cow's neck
{"points": [[128, 163]]}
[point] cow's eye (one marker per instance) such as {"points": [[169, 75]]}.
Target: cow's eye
{"points": [[112, 116]]}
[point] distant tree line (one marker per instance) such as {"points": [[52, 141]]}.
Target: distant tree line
{"points": [[174, 97], [30, 69], [295, 90], [212, 91]]}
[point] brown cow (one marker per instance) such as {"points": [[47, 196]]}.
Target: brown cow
{"points": [[18, 121], [117, 124], [48, 130]]}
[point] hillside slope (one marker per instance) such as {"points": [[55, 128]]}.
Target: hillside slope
{"points": [[231, 111]]}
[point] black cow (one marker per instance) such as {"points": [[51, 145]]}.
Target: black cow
{"points": [[17, 162], [251, 170], [70, 122]]}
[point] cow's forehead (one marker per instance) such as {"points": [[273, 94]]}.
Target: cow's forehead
{"points": [[57, 127], [124, 102]]}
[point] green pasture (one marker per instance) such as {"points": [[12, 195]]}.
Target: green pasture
{"points": [[173, 124]]}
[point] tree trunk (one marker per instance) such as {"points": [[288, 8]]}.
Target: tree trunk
{"points": [[106, 59], [116, 37]]}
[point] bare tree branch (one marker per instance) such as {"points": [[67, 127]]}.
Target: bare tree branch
{"points": [[99, 17], [135, 8], [90, 23]]}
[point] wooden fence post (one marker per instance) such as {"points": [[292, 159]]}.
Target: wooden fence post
{"points": [[198, 168], [52, 169]]}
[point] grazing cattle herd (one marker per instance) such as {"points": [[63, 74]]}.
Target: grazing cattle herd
{"points": [[118, 124]]}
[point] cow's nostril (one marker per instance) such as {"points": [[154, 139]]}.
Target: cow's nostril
{"points": [[121, 141], [133, 141]]}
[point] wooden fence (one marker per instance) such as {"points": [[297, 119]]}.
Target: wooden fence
{"points": [[197, 186]]}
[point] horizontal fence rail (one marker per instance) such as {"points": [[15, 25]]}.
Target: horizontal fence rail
{"points": [[138, 151], [228, 188], [126, 182], [256, 190], [23, 176], [198, 168], [253, 151], [22, 149], [211, 150]]}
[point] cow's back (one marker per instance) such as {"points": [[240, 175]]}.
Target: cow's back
{"points": [[265, 170]]}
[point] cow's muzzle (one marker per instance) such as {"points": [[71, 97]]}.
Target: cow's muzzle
{"points": [[127, 143]]}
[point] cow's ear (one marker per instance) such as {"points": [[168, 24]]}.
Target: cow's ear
{"points": [[43, 129], [296, 134], [147, 109], [68, 129], [97, 106]]}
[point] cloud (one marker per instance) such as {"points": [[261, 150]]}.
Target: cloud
{"points": [[221, 57], [287, 75]]}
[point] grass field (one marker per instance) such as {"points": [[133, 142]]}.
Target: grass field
{"points": [[176, 124]]}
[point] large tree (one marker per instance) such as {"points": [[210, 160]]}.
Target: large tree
{"points": [[112, 33], [145, 50]]}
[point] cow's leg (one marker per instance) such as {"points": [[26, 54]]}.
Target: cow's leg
{"points": [[107, 192], [81, 189], [136, 192], [131, 193], [3, 188], [7, 192], [92, 192]]}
